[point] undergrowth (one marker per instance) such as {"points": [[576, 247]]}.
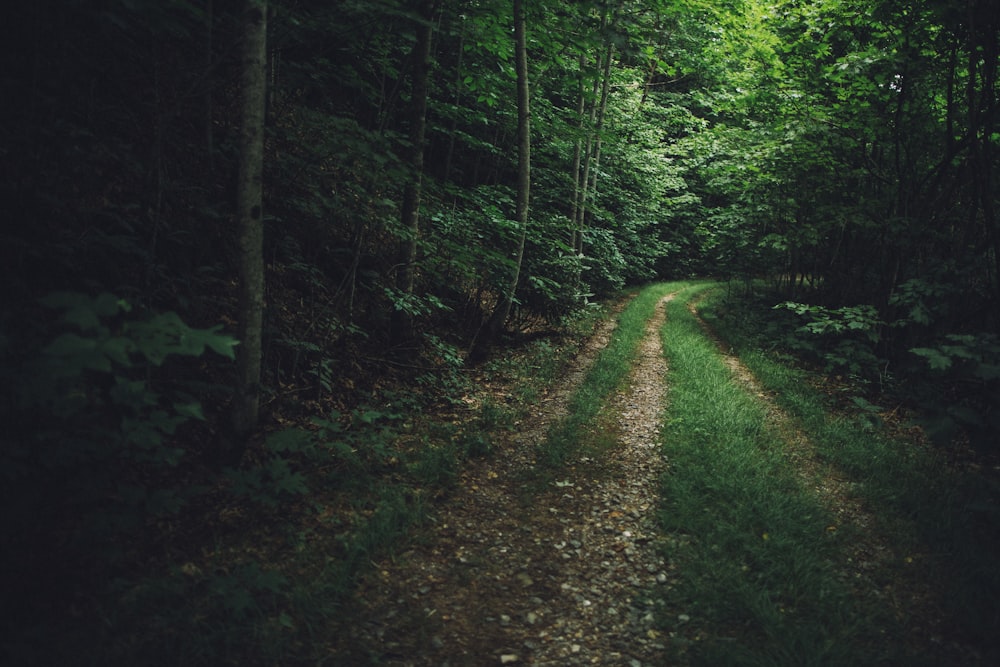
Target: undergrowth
{"points": [[261, 565]]}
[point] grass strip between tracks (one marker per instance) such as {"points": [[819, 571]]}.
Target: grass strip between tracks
{"points": [[580, 430]]}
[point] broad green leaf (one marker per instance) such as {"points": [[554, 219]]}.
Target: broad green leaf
{"points": [[935, 359]]}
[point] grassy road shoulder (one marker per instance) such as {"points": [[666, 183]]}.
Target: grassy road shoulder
{"points": [[943, 521], [758, 574]]}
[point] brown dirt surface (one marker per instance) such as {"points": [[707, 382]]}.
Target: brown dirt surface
{"points": [[508, 574]]}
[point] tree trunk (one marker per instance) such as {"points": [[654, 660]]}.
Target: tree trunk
{"points": [[402, 319], [588, 161], [207, 94], [598, 129], [575, 234], [484, 341], [246, 399], [453, 126]]}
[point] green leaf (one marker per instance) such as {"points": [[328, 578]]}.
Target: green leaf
{"points": [[222, 344], [865, 405], [289, 440], [935, 359], [71, 345], [118, 350], [370, 416], [190, 410]]}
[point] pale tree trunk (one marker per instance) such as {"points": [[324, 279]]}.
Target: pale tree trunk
{"points": [[598, 129], [576, 234], [484, 341], [588, 160], [402, 320], [577, 160], [250, 222]]}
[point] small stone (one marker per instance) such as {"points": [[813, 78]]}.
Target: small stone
{"points": [[437, 642], [504, 619], [575, 648], [661, 578], [508, 658], [531, 618]]}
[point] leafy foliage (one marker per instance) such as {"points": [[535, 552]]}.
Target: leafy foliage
{"points": [[844, 150], [86, 422], [967, 366]]}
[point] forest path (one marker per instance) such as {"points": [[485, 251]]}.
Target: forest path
{"points": [[509, 574], [517, 568]]}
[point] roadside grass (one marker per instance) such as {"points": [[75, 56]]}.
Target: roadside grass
{"points": [[583, 430], [757, 581], [952, 516], [322, 502]]}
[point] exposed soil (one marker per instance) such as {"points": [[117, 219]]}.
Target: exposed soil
{"points": [[514, 575]]}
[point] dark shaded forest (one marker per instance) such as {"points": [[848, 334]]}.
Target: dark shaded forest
{"points": [[435, 180]]}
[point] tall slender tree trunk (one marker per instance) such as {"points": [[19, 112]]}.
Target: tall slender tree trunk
{"points": [[250, 221], [577, 160], [598, 130], [207, 95], [453, 126], [576, 234], [484, 341], [402, 319], [588, 161]]}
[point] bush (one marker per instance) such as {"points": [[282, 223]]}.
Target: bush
{"points": [[90, 444]]}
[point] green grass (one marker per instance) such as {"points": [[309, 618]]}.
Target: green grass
{"points": [[758, 584], [581, 430], [952, 516]]}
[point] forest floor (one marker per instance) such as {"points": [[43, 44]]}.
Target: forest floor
{"points": [[508, 573], [518, 568]]}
